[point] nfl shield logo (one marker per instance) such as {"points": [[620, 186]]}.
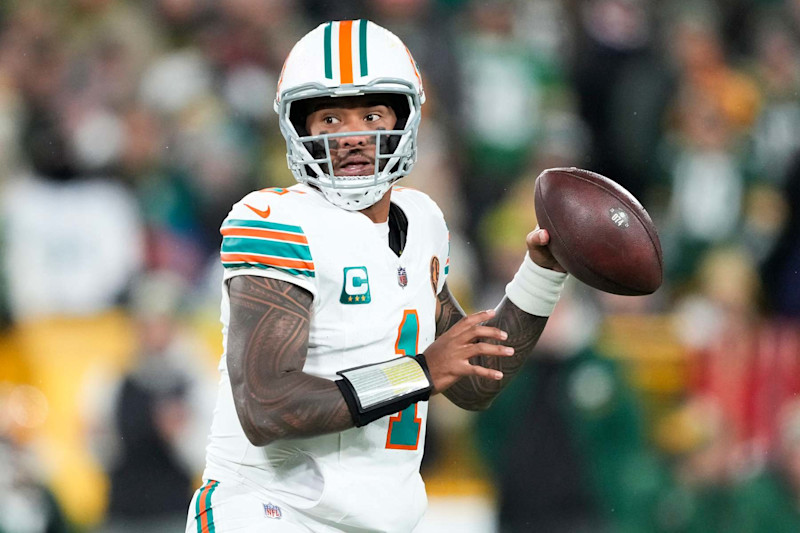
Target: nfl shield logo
{"points": [[272, 511], [402, 277]]}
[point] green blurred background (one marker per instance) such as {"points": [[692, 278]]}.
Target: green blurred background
{"points": [[128, 129]]}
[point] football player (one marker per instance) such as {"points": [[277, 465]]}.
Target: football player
{"points": [[338, 324]]}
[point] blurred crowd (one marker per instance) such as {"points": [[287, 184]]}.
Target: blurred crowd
{"points": [[129, 128]]}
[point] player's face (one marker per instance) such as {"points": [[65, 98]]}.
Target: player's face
{"points": [[351, 156]]}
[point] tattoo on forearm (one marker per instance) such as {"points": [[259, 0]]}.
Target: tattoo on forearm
{"points": [[449, 311], [472, 392], [267, 348]]}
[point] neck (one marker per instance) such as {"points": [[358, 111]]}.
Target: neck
{"points": [[379, 211]]}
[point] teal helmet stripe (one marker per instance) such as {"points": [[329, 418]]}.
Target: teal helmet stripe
{"points": [[328, 53], [362, 41]]}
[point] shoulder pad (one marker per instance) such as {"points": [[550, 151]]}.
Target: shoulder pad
{"points": [[264, 231]]}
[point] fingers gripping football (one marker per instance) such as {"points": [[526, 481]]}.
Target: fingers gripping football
{"points": [[540, 253], [449, 356]]}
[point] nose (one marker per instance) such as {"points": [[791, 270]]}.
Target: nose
{"points": [[352, 141]]}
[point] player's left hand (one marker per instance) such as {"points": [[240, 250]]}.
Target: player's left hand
{"points": [[537, 241]]}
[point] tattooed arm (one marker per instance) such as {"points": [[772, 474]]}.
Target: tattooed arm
{"points": [[474, 392], [519, 330], [267, 347]]}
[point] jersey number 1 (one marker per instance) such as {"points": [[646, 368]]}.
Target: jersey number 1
{"points": [[404, 427]]}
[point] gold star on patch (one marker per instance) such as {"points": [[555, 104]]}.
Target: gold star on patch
{"points": [[350, 298]]}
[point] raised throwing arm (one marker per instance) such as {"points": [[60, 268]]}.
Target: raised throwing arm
{"points": [[523, 328]]}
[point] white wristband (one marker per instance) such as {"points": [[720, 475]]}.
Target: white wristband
{"points": [[535, 289]]}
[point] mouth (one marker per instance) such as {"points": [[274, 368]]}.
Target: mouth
{"points": [[355, 166]]}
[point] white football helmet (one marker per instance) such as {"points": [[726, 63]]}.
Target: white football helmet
{"points": [[350, 58]]}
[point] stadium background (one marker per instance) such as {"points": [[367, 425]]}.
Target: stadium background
{"points": [[128, 128]]}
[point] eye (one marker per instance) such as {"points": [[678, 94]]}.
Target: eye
{"points": [[372, 117], [329, 119]]}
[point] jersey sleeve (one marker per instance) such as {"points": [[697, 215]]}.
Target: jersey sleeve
{"points": [[273, 246]]}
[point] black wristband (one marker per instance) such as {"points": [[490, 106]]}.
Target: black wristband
{"points": [[362, 416]]}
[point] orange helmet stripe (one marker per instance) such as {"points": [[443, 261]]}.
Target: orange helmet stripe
{"points": [[346, 51]]}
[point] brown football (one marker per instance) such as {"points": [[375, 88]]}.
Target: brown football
{"points": [[599, 232]]}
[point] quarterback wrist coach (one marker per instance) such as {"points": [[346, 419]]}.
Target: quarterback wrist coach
{"points": [[374, 391], [535, 289]]}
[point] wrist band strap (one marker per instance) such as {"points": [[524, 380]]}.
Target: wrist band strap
{"points": [[374, 391], [535, 289]]}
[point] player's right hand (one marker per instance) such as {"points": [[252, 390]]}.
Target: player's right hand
{"points": [[537, 242], [449, 356]]}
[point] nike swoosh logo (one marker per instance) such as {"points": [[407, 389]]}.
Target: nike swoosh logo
{"points": [[259, 212]]}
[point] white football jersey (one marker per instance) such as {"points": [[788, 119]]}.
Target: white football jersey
{"points": [[369, 306]]}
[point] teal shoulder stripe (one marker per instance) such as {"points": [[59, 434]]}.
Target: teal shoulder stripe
{"points": [[245, 245], [446, 270], [261, 224], [362, 39], [291, 271], [328, 58]]}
